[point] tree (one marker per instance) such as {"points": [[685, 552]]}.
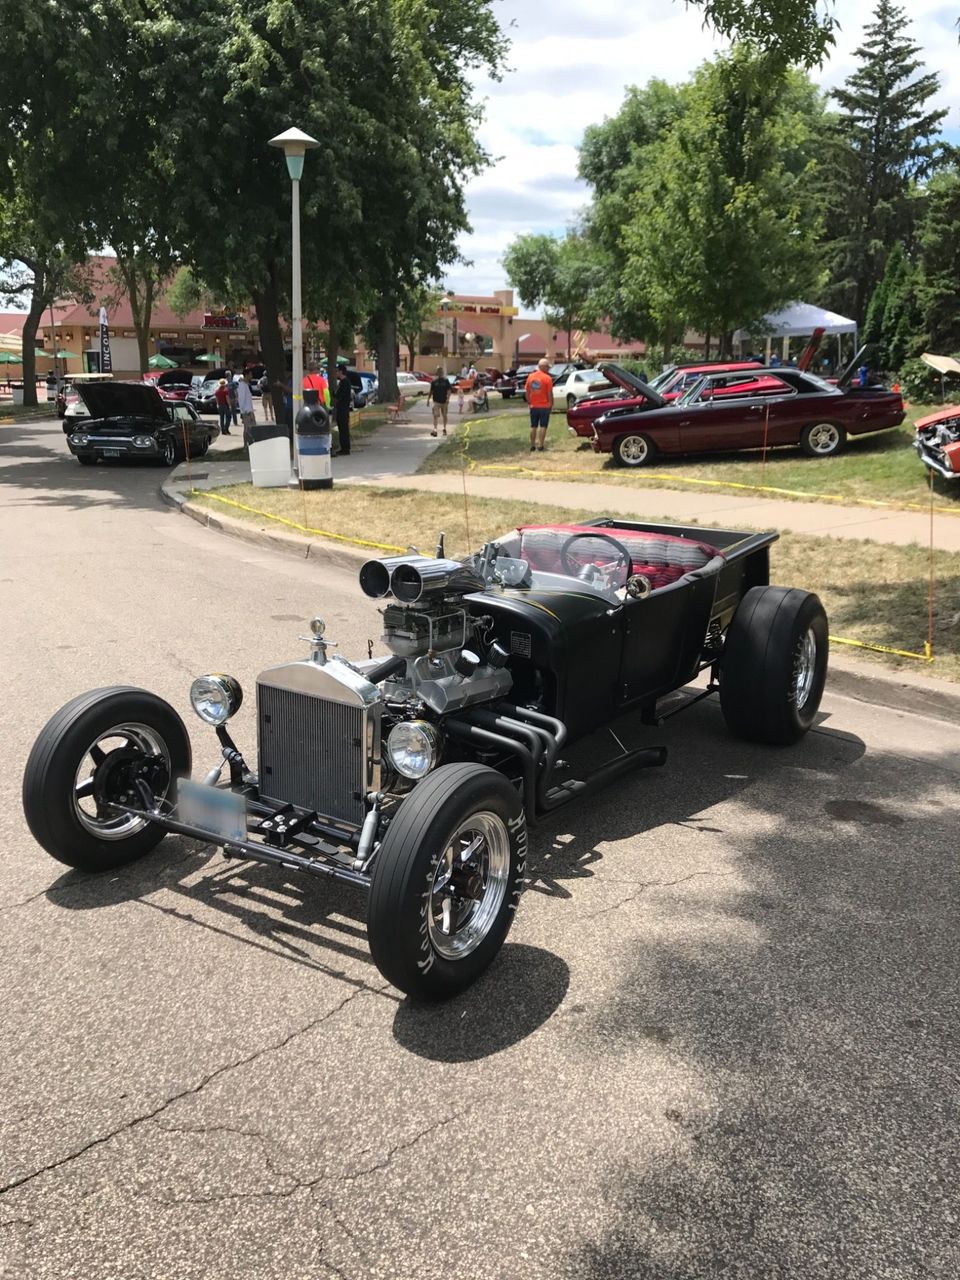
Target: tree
{"points": [[938, 286], [883, 142], [790, 31], [894, 320], [186, 293], [722, 221], [416, 307], [562, 275]]}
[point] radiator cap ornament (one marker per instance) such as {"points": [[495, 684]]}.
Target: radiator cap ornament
{"points": [[318, 627]]}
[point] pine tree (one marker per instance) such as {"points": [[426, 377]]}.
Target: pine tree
{"points": [[939, 239], [882, 143]]}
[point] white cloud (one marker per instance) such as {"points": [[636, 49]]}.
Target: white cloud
{"points": [[572, 64]]}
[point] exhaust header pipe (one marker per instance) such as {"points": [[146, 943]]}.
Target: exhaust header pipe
{"points": [[414, 579]]}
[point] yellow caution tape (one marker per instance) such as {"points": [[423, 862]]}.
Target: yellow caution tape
{"points": [[927, 656], [673, 478], [301, 528]]}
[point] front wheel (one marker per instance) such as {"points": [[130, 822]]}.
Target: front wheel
{"points": [[634, 450], [95, 753], [774, 665], [822, 439], [447, 880], [168, 451]]}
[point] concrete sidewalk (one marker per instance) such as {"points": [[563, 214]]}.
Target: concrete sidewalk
{"points": [[391, 456]]}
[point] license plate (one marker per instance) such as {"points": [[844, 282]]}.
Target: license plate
{"points": [[110, 453], [220, 813]]}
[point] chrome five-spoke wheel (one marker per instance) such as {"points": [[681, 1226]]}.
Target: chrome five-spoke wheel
{"points": [[469, 886]]}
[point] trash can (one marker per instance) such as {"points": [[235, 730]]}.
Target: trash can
{"points": [[269, 450], [17, 391], [313, 447]]}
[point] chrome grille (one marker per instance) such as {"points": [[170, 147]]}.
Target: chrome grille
{"points": [[312, 752]]}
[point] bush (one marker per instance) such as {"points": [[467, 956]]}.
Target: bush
{"points": [[922, 385]]}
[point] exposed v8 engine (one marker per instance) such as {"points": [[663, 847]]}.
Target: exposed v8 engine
{"points": [[938, 442]]}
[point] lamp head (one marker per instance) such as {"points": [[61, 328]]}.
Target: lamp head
{"points": [[294, 143]]}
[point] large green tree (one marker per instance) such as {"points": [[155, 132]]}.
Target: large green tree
{"points": [[722, 221], [562, 275], [938, 286], [790, 31], [880, 145]]}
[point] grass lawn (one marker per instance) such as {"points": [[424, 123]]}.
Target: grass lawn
{"points": [[871, 593], [10, 414], [879, 467]]}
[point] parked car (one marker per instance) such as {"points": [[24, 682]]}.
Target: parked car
{"points": [[506, 385], [202, 399], [938, 442], [173, 384], [572, 386], [724, 411], [635, 394], [414, 776], [133, 420], [411, 386], [69, 406], [677, 379], [364, 386]]}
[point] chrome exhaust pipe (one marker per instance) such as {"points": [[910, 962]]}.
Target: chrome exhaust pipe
{"points": [[419, 576], [375, 576]]}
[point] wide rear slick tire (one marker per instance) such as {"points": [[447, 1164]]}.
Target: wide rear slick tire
{"points": [[441, 818], [74, 831], [774, 665]]}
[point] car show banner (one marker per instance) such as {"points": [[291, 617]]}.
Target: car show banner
{"points": [[106, 360]]}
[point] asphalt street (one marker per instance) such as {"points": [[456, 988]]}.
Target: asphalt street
{"points": [[722, 1040]]}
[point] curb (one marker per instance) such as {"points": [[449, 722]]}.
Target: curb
{"points": [[317, 550], [896, 690]]}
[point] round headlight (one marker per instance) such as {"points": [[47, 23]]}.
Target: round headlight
{"points": [[216, 698], [79, 438], [143, 442], [413, 747]]}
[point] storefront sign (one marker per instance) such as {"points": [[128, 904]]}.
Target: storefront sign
{"points": [[224, 322], [475, 309]]}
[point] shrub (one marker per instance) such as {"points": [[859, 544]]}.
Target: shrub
{"points": [[922, 385]]}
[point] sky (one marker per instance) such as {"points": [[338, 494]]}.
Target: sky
{"points": [[571, 64]]}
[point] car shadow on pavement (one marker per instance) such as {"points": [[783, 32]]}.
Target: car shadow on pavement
{"points": [[815, 1003]]}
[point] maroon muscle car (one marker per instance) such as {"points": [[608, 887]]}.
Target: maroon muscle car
{"points": [[724, 411], [634, 393]]}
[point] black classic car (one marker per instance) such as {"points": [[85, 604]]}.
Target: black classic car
{"points": [[132, 420], [416, 776]]}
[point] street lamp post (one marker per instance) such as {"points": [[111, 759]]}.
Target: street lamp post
{"points": [[295, 143]]}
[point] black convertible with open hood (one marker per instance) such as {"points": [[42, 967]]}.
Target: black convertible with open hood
{"points": [[132, 420]]}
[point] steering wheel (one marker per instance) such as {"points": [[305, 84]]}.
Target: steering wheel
{"points": [[616, 566]]}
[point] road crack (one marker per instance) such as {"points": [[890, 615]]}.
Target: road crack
{"points": [[188, 1092], [644, 885]]}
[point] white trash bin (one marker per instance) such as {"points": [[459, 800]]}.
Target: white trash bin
{"points": [[269, 451]]}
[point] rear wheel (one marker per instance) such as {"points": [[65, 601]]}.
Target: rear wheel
{"points": [[571, 401], [774, 665], [634, 450], [822, 439], [94, 753], [447, 880]]}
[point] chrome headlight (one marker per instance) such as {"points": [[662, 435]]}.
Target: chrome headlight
{"points": [[143, 442], [216, 698], [413, 747], [78, 438]]}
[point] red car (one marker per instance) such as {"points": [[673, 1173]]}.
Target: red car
{"points": [[634, 393], [724, 411], [938, 441], [173, 384]]}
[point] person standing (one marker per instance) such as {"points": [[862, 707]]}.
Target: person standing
{"points": [[245, 406], [222, 397], [313, 380], [266, 399], [439, 398], [539, 390], [232, 393], [342, 401]]}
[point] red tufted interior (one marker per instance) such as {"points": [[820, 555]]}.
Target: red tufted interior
{"points": [[662, 557]]}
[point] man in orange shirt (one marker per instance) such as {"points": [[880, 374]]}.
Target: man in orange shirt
{"points": [[313, 380], [539, 392]]}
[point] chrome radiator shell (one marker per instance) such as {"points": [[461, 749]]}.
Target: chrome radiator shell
{"points": [[318, 738]]}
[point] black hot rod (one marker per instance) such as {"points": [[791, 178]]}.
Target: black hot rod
{"points": [[416, 775]]}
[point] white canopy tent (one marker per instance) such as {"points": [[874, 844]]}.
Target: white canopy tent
{"points": [[799, 320]]}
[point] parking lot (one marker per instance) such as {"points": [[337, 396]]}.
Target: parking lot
{"points": [[721, 1040]]}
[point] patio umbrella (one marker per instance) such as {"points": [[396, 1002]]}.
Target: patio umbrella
{"points": [[7, 358], [63, 355], [161, 362], [207, 358]]}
